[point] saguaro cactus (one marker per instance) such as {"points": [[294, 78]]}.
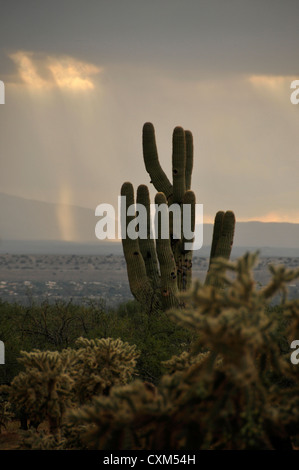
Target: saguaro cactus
{"points": [[158, 271]]}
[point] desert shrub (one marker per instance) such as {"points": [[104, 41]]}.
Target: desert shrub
{"points": [[57, 326], [53, 381], [5, 414], [98, 364], [156, 337], [235, 389], [45, 326], [43, 390], [12, 339]]}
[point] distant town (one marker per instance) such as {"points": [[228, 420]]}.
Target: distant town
{"points": [[28, 278]]}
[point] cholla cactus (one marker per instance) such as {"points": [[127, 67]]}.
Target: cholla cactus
{"points": [[42, 440], [115, 417], [99, 364], [43, 389], [53, 382], [236, 388], [186, 360], [5, 414], [159, 271]]}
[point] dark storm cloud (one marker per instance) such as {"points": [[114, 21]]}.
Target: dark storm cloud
{"points": [[206, 37]]}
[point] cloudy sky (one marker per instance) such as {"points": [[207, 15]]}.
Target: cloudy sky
{"points": [[82, 77]]}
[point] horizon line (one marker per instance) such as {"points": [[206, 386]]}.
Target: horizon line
{"points": [[208, 219]]}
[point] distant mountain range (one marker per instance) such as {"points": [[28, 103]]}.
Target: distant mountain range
{"points": [[40, 227]]}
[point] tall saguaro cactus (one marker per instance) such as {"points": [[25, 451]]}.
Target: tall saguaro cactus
{"points": [[159, 270]]}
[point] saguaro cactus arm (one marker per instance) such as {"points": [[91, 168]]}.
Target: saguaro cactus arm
{"points": [[189, 158], [147, 245], [151, 161], [182, 165], [223, 236], [168, 269], [182, 162], [139, 279], [151, 267]]}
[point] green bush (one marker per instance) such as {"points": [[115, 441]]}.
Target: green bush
{"points": [[45, 326], [57, 326]]}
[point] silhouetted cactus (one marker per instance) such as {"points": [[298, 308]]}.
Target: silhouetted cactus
{"points": [[158, 271]]}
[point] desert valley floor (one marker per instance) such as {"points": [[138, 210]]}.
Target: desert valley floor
{"points": [[80, 277]]}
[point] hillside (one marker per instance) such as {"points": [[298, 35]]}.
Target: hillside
{"points": [[38, 227]]}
